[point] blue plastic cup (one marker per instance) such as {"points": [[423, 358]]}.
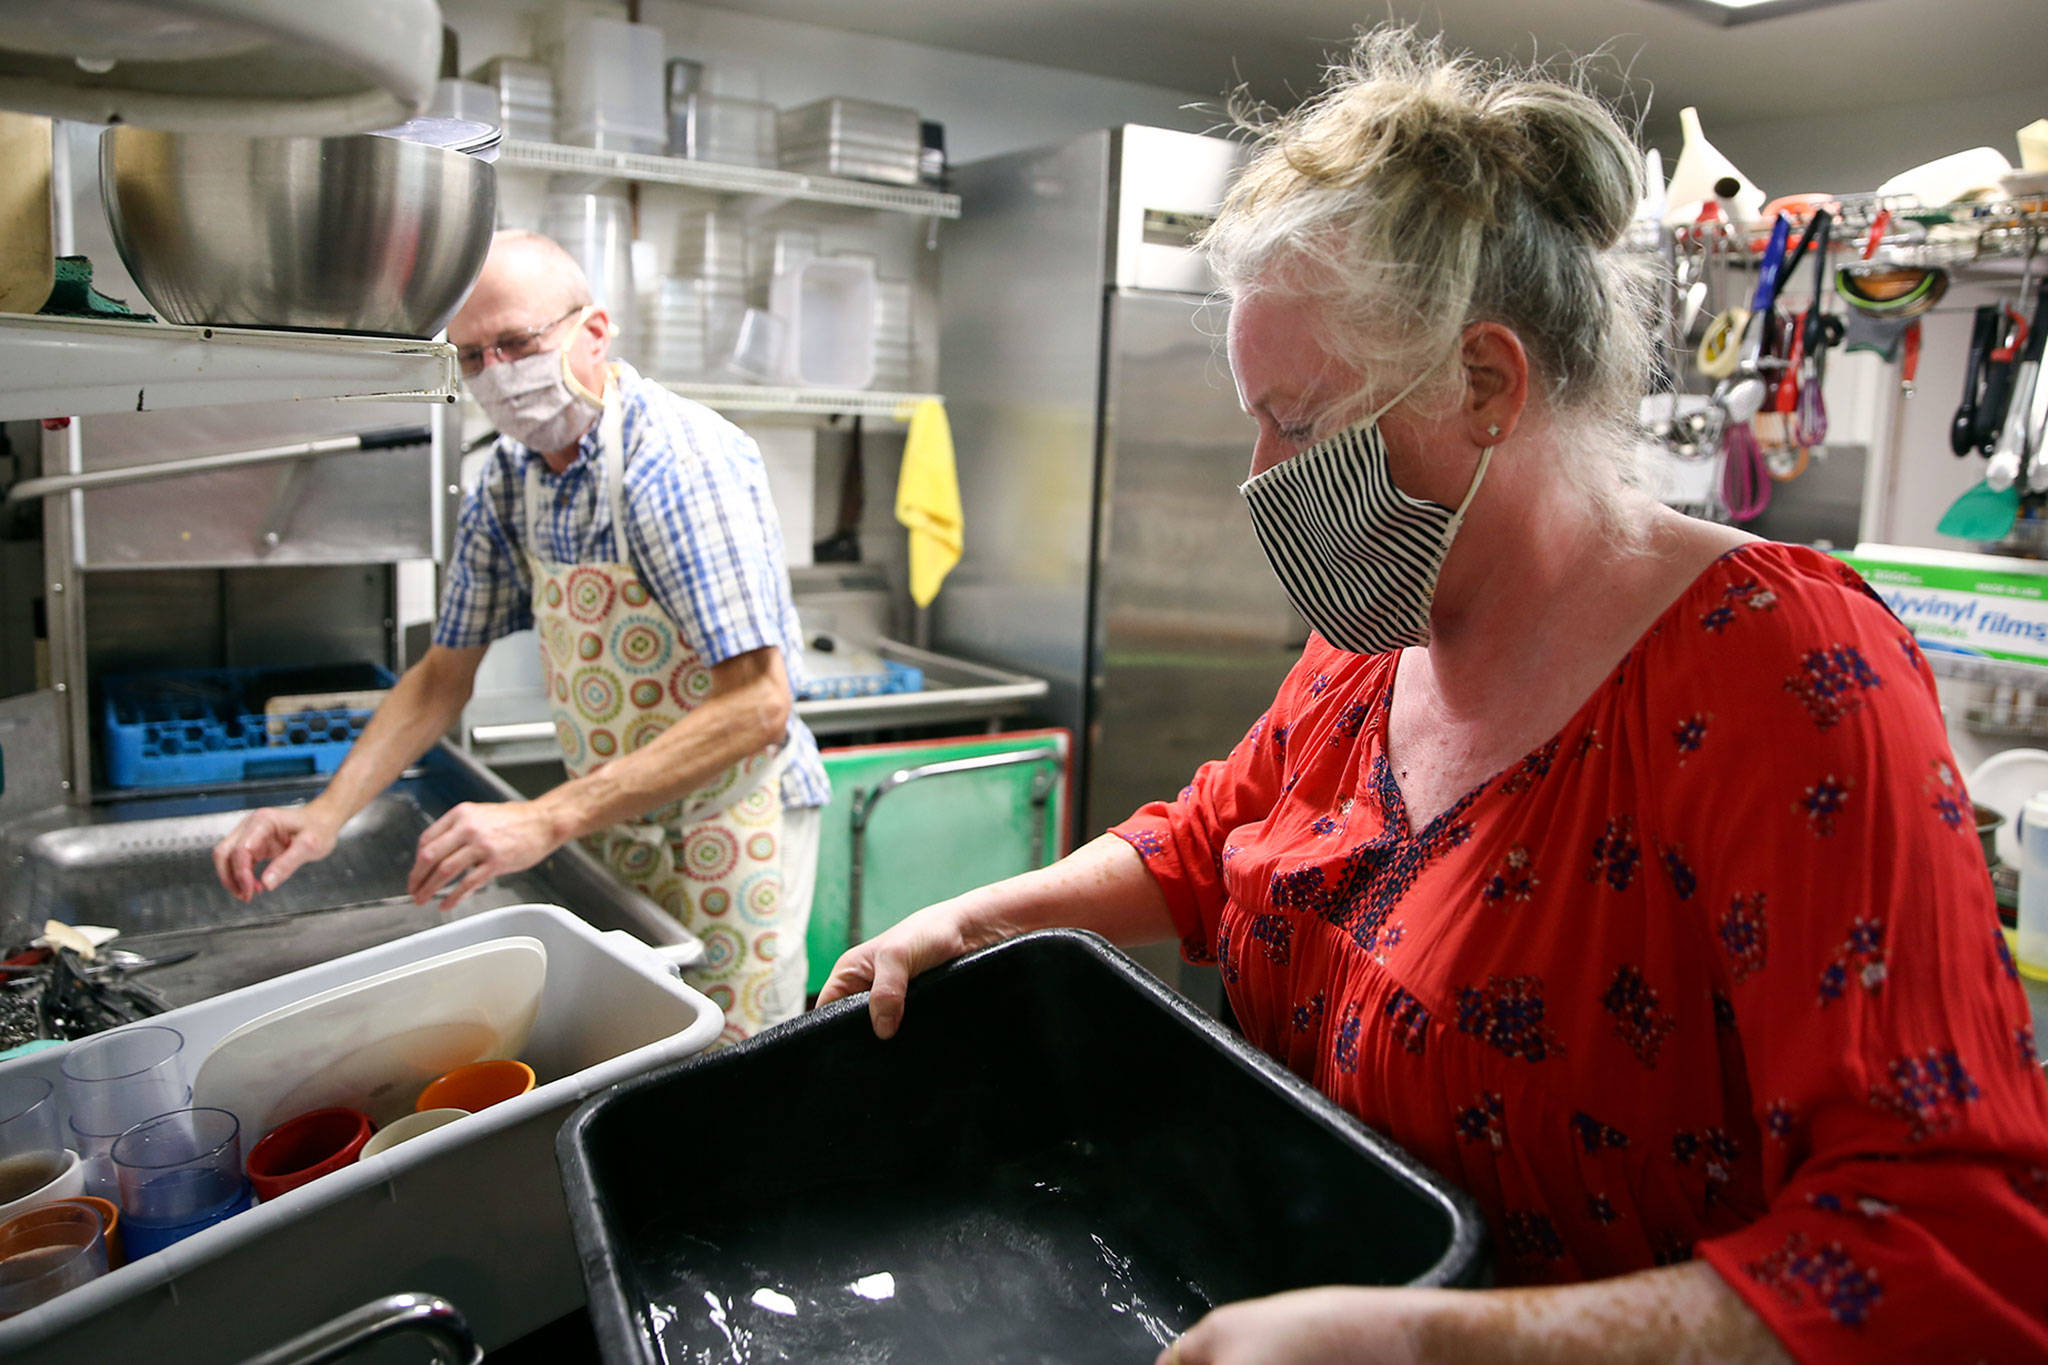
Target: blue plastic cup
{"points": [[179, 1173]]}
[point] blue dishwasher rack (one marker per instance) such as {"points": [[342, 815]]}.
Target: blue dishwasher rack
{"points": [[207, 725], [897, 678]]}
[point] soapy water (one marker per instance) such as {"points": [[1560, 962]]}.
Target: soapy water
{"points": [[1021, 1266]]}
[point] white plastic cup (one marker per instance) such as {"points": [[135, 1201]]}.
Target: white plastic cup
{"points": [[2033, 944]]}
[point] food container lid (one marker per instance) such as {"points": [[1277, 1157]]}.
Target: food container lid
{"points": [[469, 136]]}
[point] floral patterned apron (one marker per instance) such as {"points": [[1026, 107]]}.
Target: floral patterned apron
{"points": [[618, 673]]}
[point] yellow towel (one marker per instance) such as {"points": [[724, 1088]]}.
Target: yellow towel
{"points": [[928, 500]]}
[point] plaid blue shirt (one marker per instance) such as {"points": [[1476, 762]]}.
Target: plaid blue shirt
{"points": [[701, 533]]}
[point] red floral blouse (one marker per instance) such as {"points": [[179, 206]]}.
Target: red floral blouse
{"points": [[1714, 971]]}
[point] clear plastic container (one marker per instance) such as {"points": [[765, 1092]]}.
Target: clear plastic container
{"points": [[761, 350], [830, 304], [735, 132], [842, 120], [608, 86], [858, 139], [713, 246], [597, 229], [2033, 935]]}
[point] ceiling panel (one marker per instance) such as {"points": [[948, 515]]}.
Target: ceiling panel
{"points": [[1841, 58]]}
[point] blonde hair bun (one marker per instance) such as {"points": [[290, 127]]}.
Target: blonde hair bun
{"points": [[1420, 191]]}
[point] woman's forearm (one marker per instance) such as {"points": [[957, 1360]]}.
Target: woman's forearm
{"points": [[1101, 885], [1679, 1315], [1682, 1313]]}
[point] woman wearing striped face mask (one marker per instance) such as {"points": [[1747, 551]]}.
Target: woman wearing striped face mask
{"points": [[1614, 863]]}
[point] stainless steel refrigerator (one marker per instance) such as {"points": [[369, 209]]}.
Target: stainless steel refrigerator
{"points": [[1100, 445]]}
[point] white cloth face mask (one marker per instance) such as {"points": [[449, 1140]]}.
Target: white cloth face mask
{"points": [[536, 400], [1356, 556]]}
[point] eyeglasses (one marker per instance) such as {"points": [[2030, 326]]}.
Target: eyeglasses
{"points": [[511, 346]]}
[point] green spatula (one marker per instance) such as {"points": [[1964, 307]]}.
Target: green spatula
{"points": [[1982, 513]]}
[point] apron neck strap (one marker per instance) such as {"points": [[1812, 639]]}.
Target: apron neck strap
{"points": [[611, 446], [611, 454]]}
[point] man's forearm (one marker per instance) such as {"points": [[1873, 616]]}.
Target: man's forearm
{"points": [[421, 707], [721, 731]]}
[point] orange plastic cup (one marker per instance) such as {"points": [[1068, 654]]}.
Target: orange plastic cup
{"points": [[477, 1086], [110, 1219]]}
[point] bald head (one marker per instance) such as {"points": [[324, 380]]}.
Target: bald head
{"points": [[529, 282]]}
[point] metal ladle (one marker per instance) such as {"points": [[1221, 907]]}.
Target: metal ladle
{"points": [[1742, 394]]}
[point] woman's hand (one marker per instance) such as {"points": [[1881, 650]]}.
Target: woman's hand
{"points": [[1307, 1327], [884, 964], [1101, 886]]}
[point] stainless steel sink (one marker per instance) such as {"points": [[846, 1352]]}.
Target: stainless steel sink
{"points": [[144, 865], [156, 876]]}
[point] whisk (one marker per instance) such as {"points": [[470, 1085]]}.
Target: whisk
{"points": [[1745, 483]]}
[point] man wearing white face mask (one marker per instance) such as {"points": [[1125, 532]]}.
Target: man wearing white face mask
{"points": [[632, 529]]}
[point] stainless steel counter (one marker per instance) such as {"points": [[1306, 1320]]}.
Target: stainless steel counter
{"points": [[142, 863], [513, 728]]}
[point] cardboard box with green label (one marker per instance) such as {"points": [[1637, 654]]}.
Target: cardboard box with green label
{"points": [[1989, 606]]}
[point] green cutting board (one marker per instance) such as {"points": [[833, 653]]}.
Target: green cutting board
{"points": [[931, 838]]}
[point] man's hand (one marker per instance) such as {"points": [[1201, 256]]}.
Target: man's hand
{"points": [[477, 841], [286, 837]]}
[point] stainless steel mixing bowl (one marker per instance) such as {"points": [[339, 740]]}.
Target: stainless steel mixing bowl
{"points": [[339, 234]]}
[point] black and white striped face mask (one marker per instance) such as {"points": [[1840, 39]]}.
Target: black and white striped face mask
{"points": [[1356, 556]]}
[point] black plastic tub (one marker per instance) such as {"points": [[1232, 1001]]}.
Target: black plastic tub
{"points": [[1056, 1158]]}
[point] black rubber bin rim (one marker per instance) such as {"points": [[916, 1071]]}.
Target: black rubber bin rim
{"points": [[611, 1303]]}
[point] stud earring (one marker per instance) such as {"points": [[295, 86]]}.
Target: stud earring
{"points": [[1493, 430]]}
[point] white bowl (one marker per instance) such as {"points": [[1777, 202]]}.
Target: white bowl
{"points": [[67, 1183], [409, 1127]]}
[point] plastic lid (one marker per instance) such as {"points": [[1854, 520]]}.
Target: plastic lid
{"points": [[457, 134]]}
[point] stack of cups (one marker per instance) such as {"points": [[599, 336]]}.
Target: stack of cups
{"points": [[597, 229], [712, 248], [47, 1251], [675, 329], [179, 1173], [115, 1081], [893, 337], [526, 97]]}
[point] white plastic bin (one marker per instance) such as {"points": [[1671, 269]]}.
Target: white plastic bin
{"points": [[829, 303], [472, 1212], [609, 86]]}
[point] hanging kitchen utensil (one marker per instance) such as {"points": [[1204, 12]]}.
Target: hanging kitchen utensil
{"points": [[1962, 429], [1884, 290], [2005, 359], [1865, 331], [1909, 369], [1982, 513], [2011, 453], [1819, 331], [1694, 175], [1745, 483], [1721, 348], [1743, 392]]}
